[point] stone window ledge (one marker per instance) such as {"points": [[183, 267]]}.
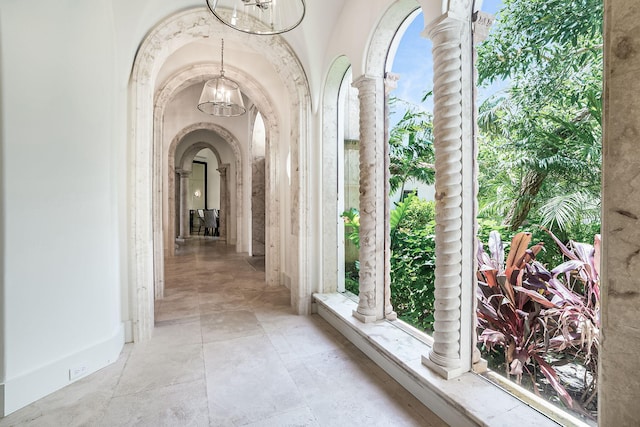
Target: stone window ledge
{"points": [[469, 400]]}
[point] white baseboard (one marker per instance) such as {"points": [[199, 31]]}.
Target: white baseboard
{"points": [[2, 399], [22, 390]]}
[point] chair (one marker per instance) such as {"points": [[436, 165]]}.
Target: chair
{"points": [[210, 222], [200, 219]]}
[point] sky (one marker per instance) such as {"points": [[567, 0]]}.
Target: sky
{"points": [[414, 64]]}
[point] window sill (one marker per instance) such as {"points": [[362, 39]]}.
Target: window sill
{"points": [[469, 400]]}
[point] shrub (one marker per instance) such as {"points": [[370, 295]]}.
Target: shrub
{"points": [[541, 318], [413, 262], [412, 259]]}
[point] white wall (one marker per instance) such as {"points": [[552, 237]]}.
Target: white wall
{"points": [[62, 278], [213, 178]]}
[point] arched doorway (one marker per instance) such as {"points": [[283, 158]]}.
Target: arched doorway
{"points": [[152, 88]]}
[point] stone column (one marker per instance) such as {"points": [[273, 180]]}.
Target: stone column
{"points": [[371, 305], [185, 230], [451, 355], [619, 388], [482, 23], [390, 84], [224, 200]]}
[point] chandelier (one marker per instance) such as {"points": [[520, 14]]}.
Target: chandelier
{"points": [[221, 96], [259, 16]]}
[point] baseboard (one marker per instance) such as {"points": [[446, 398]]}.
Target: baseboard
{"points": [[128, 331], [2, 399], [20, 391]]}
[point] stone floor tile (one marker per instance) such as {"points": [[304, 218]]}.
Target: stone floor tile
{"points": [[228, 350], [175, 332], [182, 404], [249, 384], [223, 300], [148, 369], [300, 337], [301, 417], [176, 309], [228, 325]]}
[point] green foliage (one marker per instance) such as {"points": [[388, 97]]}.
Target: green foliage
{"points": [[541, 137], [352, 222], [411, 154], [413, 276], [412, 259], [351, 282], [541, 32], [413, 262]]}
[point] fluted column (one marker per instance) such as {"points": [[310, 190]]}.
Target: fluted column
{"points": [[452, 92], [371, 304], [224, 200], [185, 230]]}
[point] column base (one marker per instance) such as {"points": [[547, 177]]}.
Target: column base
{"points": [[480, 367], [363, 317], [446, 373], [391, 316]]}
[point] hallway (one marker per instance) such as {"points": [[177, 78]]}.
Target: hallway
{"points": [[227, 351]]}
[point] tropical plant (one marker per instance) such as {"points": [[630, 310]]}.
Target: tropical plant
{"points": [[413, 263], [541, 135], [351, 219], [541, 318], [411, 154]]}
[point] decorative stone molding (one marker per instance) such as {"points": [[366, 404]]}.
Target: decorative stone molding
{"points": [[371, 305], [330, 176], [482, 22], [185, 231], [390, 84], [224, 201], [452, 142]]}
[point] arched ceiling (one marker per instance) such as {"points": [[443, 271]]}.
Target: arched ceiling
{"points": [[238, 56]]}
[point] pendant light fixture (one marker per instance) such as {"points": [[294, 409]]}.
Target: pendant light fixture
{"points": [[221, 96], [263, 17]]}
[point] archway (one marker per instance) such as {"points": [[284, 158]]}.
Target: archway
{"points": [[146, 240], [181, 159], [204, 134]]}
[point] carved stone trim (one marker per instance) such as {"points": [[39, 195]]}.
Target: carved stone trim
{"points": [[224, 200], [185, 230]]}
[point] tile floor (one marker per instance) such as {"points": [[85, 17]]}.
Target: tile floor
{"points": [[227, 351]]}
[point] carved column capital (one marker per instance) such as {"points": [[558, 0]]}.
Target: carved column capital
{"points": [[447, 27], [390, 82], [183, 173]]}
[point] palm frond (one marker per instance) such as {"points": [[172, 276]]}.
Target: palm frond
{"points": [[563, 210]]}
